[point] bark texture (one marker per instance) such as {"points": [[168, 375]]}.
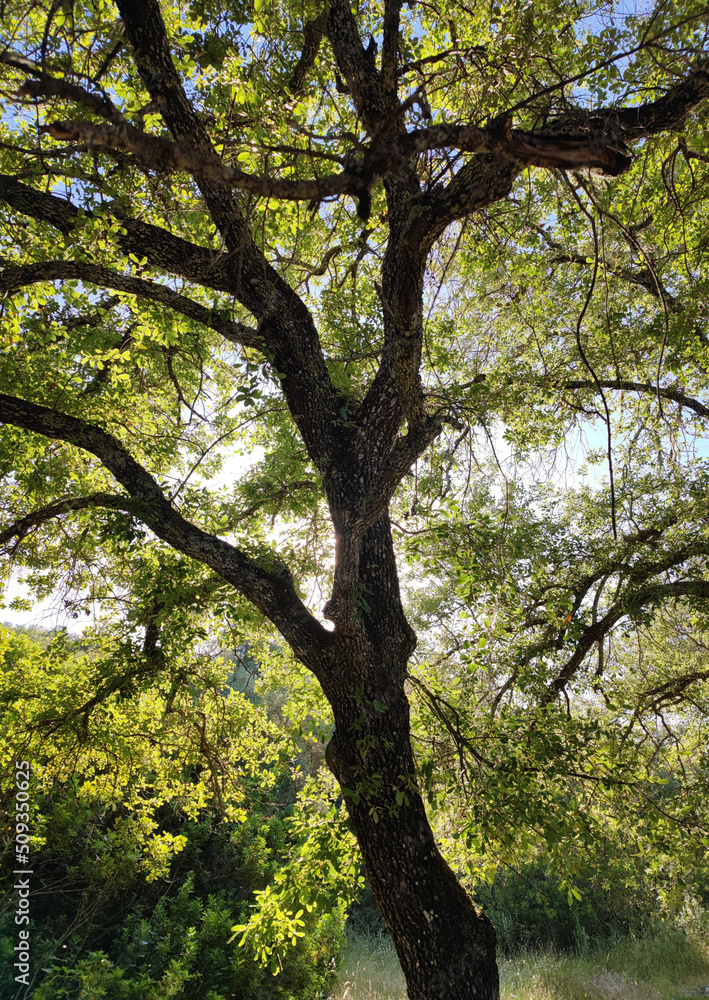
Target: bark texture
{"points": [[446, 948]]}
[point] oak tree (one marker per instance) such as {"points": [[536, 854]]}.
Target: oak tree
{"points": [[349, 237]]}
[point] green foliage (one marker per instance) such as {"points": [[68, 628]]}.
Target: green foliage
{"points": [[322, 877], [114, 725], [153, 823], [531, 911], [560, 690], [174, 943], [620, 765]]}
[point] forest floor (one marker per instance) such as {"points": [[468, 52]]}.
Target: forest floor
{"points": [[667, 967]]}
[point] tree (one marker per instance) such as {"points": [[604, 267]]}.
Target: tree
{"points": [[205, 163], [161, 801]]}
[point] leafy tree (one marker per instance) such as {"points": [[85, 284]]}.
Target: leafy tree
{"points": [[357, 185], [158, 809]]}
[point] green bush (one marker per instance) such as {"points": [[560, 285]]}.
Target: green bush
{"points": [[151, 832], [530, 908], [151, 941]]}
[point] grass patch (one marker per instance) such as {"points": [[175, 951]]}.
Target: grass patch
{"points": [[667, 966], [369, 970]]}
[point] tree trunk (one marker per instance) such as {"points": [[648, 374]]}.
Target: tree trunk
{"points": [[446, 948]]}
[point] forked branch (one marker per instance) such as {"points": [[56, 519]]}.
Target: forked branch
{"points": [[632, 603], [272, 591]]}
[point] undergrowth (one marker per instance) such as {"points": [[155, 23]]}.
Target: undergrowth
{"points": [[664, 966]]}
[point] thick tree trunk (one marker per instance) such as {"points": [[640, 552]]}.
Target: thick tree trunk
{"points": [[446, 948]]}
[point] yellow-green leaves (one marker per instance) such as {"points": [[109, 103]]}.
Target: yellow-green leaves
{"points": [[322, 877], [128, 736]]}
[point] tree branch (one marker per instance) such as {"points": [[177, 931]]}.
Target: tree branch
{"points": [[271, 591], [46, 85], [488, 177], [286, 326], [600, 143], [12, 278], [162, 250], [402, 456], [285, 322], [163, 155], [677, 395], [668, 113], [671, 692], [483, 180], [387, 155], [620, 564], [145, 30], [643, 277], [654, 594], [356, 64], [312, 37], [390, 53], [20, 528]]}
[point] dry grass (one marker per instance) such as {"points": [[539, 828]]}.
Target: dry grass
{"points": [[369, 970], [668, 967]]}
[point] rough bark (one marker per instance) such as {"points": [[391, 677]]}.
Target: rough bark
{"points": [[445, 946]]}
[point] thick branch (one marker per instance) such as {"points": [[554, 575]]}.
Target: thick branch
{"points": [[163, 155], [356, 64], [402, 456], [545, 149], [20, 528], [286, 327], [668, 113], [161, 249], [482, 181], [13, 278], [390, 52], [312, 32], [285, 322], [488, 177], [387, 155], [600, 143], [18, 61], [676, 395], [271, 591], [145, 30]]}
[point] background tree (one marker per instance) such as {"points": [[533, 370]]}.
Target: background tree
{"points": [[209, 163], [163, 797]]}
